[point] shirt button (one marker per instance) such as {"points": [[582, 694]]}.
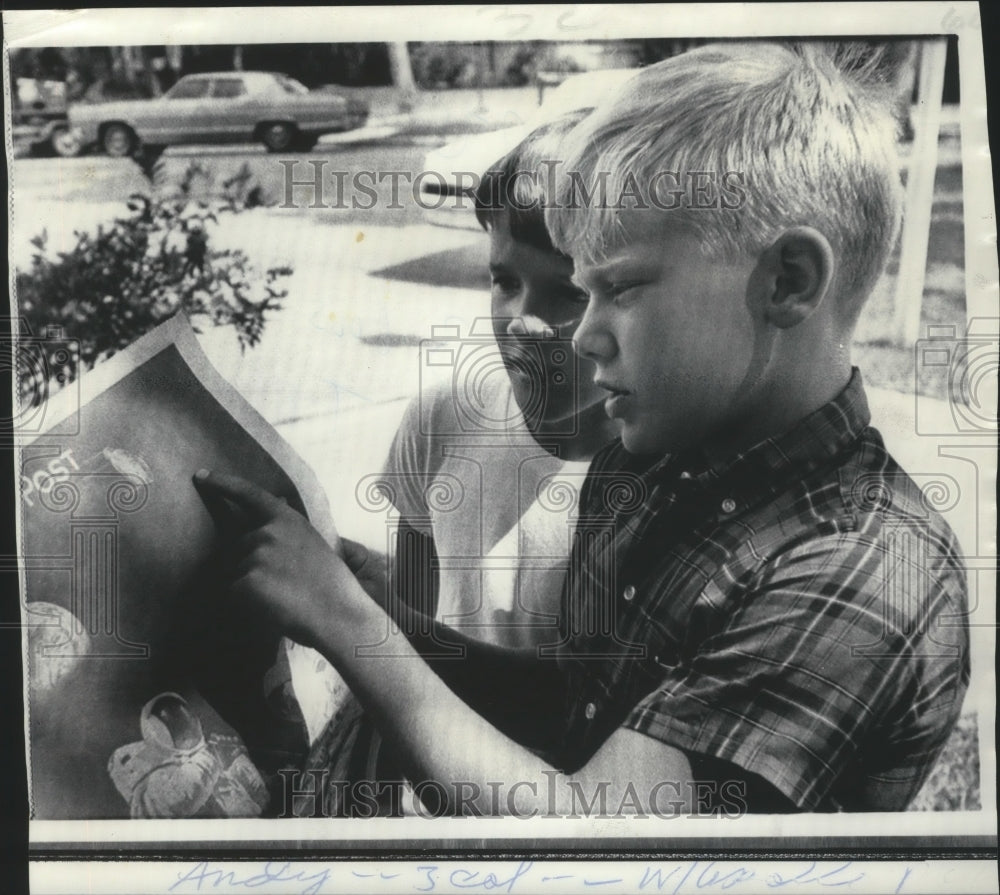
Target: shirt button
{"points": [[728, 505], [685, 475], [590, 711], [629, 593]]}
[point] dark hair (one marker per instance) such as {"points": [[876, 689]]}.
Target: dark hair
{"points": [[515, 185]]}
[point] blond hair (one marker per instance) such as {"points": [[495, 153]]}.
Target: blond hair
{"points": [[807, 126]]}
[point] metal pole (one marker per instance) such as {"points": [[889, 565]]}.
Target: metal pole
{"points": [[919, 194]]}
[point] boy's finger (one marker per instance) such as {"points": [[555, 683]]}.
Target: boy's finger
{"points": [[258, 504], [225, 514], [355, 554]]}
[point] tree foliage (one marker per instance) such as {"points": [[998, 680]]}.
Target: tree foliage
{"points": [[121, 281]]}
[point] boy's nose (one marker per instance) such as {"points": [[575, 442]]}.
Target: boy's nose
{"points": [[592, 342]]}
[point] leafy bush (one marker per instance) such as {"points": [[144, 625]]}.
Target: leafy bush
{"points": [[116, 284], [954, 782], [437, 66]]}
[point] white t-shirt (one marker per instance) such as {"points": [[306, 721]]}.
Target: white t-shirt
{"points": [[500, 507], [501, 510]]}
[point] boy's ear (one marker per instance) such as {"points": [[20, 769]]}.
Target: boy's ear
{"points": [[796, 272]]}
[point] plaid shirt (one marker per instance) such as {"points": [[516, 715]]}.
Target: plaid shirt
{"points": [[797, 611]]}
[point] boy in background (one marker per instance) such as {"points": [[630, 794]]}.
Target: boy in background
{"points": [[508, 436]]}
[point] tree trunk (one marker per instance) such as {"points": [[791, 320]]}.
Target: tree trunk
{"points": [[175, 58], [492, 78], [400, 67], [133, 65]]}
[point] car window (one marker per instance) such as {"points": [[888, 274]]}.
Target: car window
{"points": [[227, 88], [290, 85], [189, 88]]}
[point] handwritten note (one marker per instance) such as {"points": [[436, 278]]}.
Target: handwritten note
{"points": [[531, 877], [526, 877]]}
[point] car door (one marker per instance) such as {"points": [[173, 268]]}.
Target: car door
{"points": [[180, 114], [232, 119]]}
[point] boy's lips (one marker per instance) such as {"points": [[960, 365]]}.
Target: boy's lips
{"points": [[614, 404], [611, 387]]}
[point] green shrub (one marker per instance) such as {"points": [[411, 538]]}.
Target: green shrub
{"points": [[116, 284]]}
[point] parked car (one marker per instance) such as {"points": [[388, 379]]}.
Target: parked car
{"points": [[39, 119], [445, 195], [220, 107]]}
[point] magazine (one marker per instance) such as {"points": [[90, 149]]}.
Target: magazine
{"points": [[150, 693]]}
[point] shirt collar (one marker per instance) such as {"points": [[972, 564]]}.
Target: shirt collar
{"points": [[768, 466]]}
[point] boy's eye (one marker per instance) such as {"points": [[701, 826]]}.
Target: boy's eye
{"points": [[505, 283], [619, 291]]}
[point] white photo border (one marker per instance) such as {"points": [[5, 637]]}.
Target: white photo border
{"points": [[940, 834]]}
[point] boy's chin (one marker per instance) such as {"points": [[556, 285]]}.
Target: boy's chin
{"points": [[637, 440]]}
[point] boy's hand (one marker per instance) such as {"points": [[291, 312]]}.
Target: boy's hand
{"points": [[370, 567], [275, 558]]}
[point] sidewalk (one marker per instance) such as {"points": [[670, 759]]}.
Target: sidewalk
{"points": [[337, 366], [448, 112]]}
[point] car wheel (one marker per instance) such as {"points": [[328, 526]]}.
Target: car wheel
{"points": [[277, 137], [118, 140], [66, 142]]}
